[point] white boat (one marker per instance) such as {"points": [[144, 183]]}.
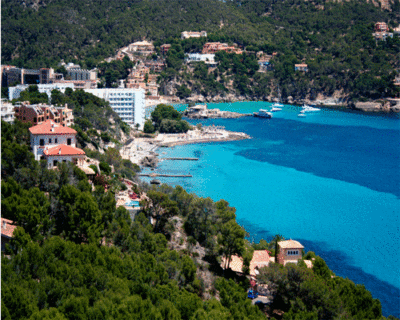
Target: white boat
{"points": [[275, 109], [301, 114], [277, 104], [306, 108], [262, 113]]}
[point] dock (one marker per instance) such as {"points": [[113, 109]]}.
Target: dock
{"points": [[188, 159], [153, 175]]}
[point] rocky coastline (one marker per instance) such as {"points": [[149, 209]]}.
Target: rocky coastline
{"points": [[337, 101]]}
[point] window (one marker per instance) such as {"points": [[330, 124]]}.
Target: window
{"points": [[293, 252], [41, 142], [49, 140], [55, 163], [69, 141], [55, 140]]}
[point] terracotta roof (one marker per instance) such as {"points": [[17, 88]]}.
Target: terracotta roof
{"points": [[63, 150], [260, 259], [50, 127], [7, 228], [290, 244]]}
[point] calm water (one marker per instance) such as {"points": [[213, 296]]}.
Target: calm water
{"points": [[330, 180]]}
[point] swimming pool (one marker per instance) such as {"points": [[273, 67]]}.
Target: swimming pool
{"points": [[132, 203]]}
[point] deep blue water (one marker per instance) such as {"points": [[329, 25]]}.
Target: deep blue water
{"points": [[330, 180]]}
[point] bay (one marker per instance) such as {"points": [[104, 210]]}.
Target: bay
{"points": [[330, 180]]}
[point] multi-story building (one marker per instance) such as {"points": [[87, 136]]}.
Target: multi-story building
{"points": [[15, 92], [39, 113], [141, 47], [381, 27], [212, 47], [55, 143], [191, 34], [128, 103], [12, 75], [7, 111], [197, 57], [82, 74]]}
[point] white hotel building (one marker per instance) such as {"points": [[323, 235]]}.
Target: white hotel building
{"points": [[128, 103]]}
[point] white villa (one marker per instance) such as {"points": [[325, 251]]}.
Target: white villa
{"points": [[55, 143]]}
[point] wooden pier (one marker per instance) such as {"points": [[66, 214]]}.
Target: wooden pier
{"points": [[153, 175], [188, 159]]}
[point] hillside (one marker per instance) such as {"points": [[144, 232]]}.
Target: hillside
{"points": [[333, 38]]}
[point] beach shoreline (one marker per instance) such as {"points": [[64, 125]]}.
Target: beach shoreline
{"points": [[142, 149]]}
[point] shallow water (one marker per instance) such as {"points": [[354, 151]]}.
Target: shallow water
{"points": [[330, 180]]}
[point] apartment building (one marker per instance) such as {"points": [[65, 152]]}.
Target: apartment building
{"points": [[128, 103], [39, 113], [15, 92], [7, 111], [191, 34]]}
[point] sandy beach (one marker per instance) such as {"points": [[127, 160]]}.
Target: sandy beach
{"points": [[140, 148]]}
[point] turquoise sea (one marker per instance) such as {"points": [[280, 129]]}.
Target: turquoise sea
{"points": [[330, 180]]}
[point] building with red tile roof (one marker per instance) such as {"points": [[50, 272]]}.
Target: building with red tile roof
{"points": [[55, 143], [260, 259], [7, 230]]}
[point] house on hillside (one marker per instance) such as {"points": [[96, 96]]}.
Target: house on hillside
{"points": [[55, 143], [260, 259], [7, 111], [144, 48], [193, 34], [290, 251], [7, 230], [301, 67]]}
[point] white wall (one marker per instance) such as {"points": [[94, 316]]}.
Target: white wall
{"points": [[128, 103], [61, 139]]}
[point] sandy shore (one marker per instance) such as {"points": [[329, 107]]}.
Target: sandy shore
{"points": [[140, 148]]}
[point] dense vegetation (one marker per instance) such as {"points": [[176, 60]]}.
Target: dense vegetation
{"points": [[333, 38], [165, 119], [74, 255]]}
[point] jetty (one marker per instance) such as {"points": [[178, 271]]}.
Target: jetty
{"points": [[188, 159], [153, 175]]}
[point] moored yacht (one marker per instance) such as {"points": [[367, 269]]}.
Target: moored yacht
{"points": [[306, 108], [262, 113]]}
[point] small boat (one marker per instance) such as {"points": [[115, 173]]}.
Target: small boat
{"points": [[262, 113], [301, 114], [155, 181], [275, 109], [277, 104], [306, 108]]}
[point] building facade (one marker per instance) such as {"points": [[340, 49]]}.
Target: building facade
{"points": [[49, 134], [39, 113], [290, 251], [197, 57], [193, 34], [15, 92], [301, 67], [82, 74], [7, 112], [128, 103]]}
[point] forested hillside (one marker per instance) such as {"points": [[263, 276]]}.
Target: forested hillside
{"points": [[333, 38]]}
